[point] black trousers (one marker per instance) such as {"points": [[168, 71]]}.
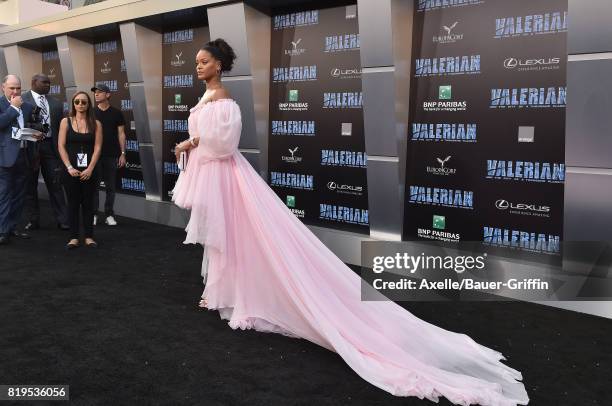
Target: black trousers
{"points": [[80, 196], [107, 171], [52, 170], [12, 191]]}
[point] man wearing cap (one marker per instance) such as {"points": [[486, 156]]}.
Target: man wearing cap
{"points": [[113, 149]]}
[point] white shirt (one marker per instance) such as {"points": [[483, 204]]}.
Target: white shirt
{"points": [[43, 103], [20, 117], [19, 120]]}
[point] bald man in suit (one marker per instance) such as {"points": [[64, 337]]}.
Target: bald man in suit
{"points": [[14, 166]]}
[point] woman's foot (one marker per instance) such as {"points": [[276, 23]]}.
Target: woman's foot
{"points": [[203, 303], [89, 242], [72, 244]]}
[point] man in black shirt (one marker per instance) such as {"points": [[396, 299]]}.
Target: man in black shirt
{"points": [[113, 149]]}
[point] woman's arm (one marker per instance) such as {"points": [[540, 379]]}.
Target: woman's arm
{"points": [[86, 174]]}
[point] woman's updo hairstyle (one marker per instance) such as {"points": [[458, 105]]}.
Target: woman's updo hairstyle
{"points": [[222, 52]]}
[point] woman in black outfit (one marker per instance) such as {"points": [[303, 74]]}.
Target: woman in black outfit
{"points": [[80, 142]]}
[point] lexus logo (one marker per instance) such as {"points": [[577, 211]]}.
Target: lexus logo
{"points": [[510, 63], [337, 72], [536, 63], [332, 185], [502, 204], [344, 188]]}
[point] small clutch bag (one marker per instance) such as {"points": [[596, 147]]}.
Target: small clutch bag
{"points": [[182, 162]]}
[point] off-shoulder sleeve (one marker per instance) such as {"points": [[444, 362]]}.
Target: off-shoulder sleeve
{"points": [[219, 128]]}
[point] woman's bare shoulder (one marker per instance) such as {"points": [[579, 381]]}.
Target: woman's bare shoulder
{"points": [[221, 93]]}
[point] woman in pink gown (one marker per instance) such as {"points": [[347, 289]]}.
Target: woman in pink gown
{"points": [[264, 270]]}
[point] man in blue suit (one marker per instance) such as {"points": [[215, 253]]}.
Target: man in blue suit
{"points": [[14, 113]]}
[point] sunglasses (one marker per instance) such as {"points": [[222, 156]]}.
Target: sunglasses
{"points": [[79, 101]]}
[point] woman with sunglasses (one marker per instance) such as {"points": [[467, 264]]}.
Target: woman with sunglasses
{"points": [[80, 143]]}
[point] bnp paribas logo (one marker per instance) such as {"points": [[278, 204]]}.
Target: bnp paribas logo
{"points": [[445, 92], [439, 222], [178, 105], [290, 201], [445, 102], [299, 213], [293, 103], [438, 231]]}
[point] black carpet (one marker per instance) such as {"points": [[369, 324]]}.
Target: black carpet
{"points": [[120, 325]]}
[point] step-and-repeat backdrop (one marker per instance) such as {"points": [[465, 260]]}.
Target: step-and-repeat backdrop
{"points": [[181, 91], [109, 69], [316, 157], [51, 67], [486, 142]]}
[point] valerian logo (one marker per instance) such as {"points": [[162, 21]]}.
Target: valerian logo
{"points": [[536, 24]]}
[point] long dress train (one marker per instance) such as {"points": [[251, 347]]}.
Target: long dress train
{"points": [[266, 271]]}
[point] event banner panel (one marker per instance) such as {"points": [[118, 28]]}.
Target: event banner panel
{"points": [[316, 150], [181, 91], [51, 67], [486, 138], [109, 69]]}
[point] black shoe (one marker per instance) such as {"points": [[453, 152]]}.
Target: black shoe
{"points": [[4, 239], [32, 225], [19, 234], [63, 226]]}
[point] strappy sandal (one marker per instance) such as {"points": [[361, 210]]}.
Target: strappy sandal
{"points": [[71, 245]]}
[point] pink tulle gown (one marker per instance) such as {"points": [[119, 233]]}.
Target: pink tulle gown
{"points": [[265, 270]]}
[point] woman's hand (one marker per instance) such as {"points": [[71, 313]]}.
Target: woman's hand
{"points": [[73, 172], [181, 147], [86, 174]]}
